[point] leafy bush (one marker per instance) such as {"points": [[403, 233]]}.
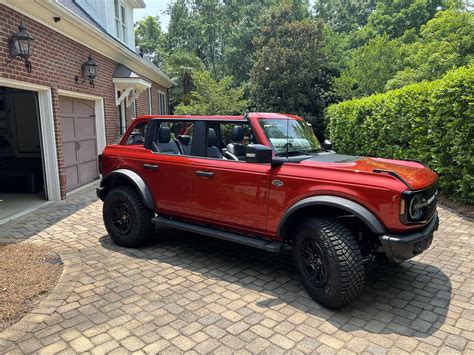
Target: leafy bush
{"points": [[429, 121]]}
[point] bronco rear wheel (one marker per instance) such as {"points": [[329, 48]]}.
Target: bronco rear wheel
{"points": [[328, 261], [126, 218]]}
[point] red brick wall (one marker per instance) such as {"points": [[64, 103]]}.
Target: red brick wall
{"points": [[56, 61]]}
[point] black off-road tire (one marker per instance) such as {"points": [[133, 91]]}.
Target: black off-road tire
{"points": [[139, 228], [339, 255]]}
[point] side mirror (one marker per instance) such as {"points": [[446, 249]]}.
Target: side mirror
{"points": [[327, 144], [258, 153]]}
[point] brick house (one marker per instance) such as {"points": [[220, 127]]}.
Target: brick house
{"points": [[53, 121]]}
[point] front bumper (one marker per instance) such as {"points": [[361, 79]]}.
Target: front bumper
{"points": [[400, 247]]}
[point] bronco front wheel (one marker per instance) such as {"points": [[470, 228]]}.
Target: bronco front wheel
{"points": [[126, 218], [328, 261]]}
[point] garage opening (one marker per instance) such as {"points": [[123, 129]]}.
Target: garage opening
{"points": [[22, 183]]}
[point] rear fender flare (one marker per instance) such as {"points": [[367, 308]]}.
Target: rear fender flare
{"points": [[339, 202], [135, 180]]}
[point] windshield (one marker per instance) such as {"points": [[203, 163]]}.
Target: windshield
{"points": [[290, 136]]}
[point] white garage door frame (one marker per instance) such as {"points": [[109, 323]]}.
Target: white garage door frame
{"points": [[48, 134]]}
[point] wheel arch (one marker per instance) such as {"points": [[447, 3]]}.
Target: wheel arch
{"points": [[326, 205], [126, 177]]}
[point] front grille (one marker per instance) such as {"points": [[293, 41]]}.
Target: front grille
{"points": [[429, 194]]}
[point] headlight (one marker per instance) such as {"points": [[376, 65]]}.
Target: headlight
{"points": [[415, 208], [418, 206]]}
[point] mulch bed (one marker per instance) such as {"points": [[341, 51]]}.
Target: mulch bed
{"points": [[28, 272]]}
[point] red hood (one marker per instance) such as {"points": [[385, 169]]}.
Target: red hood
{"points": [[415, 174]]}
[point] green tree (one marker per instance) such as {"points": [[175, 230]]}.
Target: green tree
{"points": [[290, 73], [180, 66], [344, 15], [445, 42], [369, 68], [150, 39], [212, 97]]}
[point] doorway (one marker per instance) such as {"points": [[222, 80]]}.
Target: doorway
{"points": [[22, 180]]}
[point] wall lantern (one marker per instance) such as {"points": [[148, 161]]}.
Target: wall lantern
{"points": [[89, 71], [21, 46]]}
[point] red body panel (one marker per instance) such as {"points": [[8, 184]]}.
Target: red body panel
{"points": [[241, 195]]}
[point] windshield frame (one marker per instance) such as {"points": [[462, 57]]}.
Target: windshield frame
{"points": [[311, 139]]}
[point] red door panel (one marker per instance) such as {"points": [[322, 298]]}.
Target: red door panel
{"points": [[231, 194]]}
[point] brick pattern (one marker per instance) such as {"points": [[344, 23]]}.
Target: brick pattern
{"points": [[56, 61], [192, 294]]}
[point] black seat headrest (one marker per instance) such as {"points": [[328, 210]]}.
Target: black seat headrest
{"points": [[184, 139], [164, 134], [211, 137], [237, 133]]}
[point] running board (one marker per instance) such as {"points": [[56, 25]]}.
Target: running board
{"points": [[267, 245]]}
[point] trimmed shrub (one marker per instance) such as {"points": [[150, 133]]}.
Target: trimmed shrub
{"points": [[429, 121]]}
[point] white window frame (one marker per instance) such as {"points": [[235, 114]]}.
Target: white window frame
{"points": [[120, 20], [162, 106]]}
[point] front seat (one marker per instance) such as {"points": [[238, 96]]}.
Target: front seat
{"points": [[184, 143], [237, 148], [165, 145], [212, 150]]}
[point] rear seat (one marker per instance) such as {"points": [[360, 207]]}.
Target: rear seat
{"points": [[184, 143], [165, 144]]}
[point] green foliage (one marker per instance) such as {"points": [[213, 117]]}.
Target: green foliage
{"points": [[429, 121], [212, 97], [150, 39], [343, 15], [369, 68], [446, 42], [290, 70], [180, 66]]}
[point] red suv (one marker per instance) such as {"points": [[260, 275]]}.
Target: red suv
{"points": [[264, 180]]}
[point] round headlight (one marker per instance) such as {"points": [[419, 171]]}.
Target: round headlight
{"points": [[416, 208]]}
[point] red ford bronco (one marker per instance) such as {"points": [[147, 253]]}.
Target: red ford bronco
{"points": [[264, 180]]}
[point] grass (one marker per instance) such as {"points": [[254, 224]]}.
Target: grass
{"points": [[28, 273]]}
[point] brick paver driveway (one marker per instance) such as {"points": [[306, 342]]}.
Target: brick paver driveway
{"points": [[190, 293]]}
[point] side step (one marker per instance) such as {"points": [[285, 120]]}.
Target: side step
{"points": [[268, 245]]}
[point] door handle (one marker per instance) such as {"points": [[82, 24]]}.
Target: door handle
{"points": [[151, 166], [206, 174]]}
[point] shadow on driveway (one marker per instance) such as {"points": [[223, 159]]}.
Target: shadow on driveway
{"points": [[410, 299]]}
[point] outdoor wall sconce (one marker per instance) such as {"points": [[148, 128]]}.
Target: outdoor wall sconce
{"points": [[21, 46], [89, 71]]}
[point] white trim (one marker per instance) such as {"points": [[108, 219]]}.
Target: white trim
{"points": [[48, 135], [99, 115], [150, 108], [86, 34]]}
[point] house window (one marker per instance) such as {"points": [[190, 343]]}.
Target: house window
{"points": [[120, 21], [161, 103]]}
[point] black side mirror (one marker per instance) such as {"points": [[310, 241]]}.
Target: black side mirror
{"points": [[327, 144], [258, 153]]}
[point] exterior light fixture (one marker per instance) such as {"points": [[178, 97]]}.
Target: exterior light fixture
{"points": [[89, 71], [21, 46]]}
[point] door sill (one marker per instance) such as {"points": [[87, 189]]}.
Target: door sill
{"points": [[271, 246]]}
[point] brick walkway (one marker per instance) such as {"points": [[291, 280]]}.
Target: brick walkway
{"points": [[190, 293]]}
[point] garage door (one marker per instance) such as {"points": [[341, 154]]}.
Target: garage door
{"points": [[79, 141]]}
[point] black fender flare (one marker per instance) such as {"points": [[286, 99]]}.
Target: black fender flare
{"points": [[135, 179], [350, 206]]}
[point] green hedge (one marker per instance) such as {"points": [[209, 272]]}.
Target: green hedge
{"points": [[430, 121]]}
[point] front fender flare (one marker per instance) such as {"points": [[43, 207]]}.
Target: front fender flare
{"points": [[136, 180], [350, 206]]}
